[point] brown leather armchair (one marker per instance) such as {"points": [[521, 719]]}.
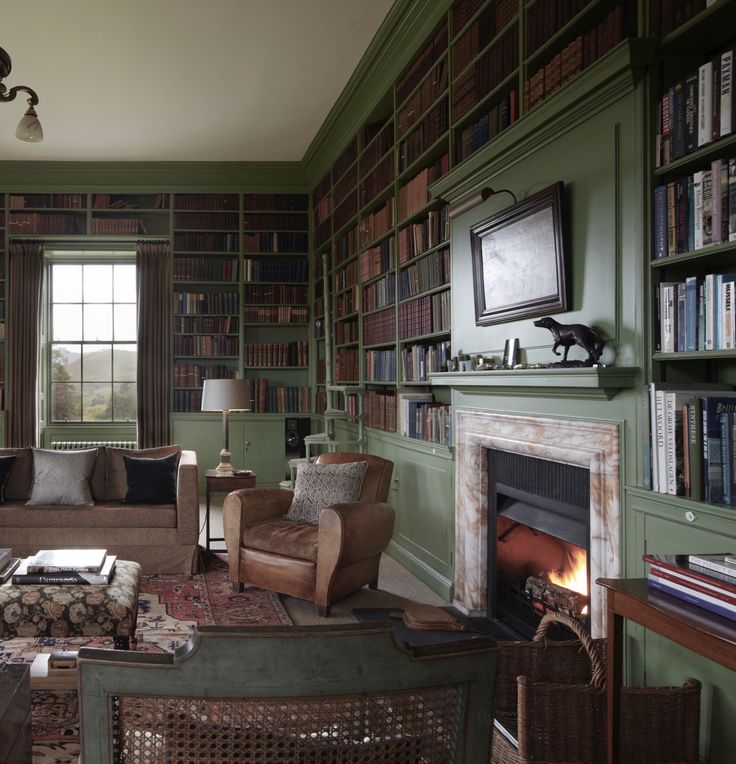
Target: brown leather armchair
{"points": [[323, 562]]}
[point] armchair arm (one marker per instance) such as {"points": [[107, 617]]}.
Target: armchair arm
{"points": [[349, 533], [187, 499]]}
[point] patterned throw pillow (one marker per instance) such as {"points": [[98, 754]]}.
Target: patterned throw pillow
{"points": [[321, 485]]}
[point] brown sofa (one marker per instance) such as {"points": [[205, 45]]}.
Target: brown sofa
{"points": [[161, 537]]}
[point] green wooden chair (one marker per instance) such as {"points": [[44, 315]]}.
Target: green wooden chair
{"points": [[337, 695]]}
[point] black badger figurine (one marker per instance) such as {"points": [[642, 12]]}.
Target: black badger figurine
{"points": [[568, 335]]}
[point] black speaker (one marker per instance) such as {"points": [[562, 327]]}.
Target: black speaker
{"points": [[295, 430]]}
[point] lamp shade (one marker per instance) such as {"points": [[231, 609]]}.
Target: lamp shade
{"points": [[226, 395]]}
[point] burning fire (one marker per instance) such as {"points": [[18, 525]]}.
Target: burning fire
{"points": [[575, 575]]}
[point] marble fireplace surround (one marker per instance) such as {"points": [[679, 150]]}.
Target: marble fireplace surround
{"points": [[593, 445]]}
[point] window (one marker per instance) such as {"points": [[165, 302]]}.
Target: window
{"points": [[93, 341]]}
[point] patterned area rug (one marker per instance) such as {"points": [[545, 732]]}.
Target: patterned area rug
{"points": [[169, 609]]}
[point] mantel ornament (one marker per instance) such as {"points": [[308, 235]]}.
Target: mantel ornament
{"points": [[569, 335]]}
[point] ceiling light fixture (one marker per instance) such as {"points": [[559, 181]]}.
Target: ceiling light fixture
{"points": [[29, 128]]}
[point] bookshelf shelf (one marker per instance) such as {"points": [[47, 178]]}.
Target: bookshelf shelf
{"points": [[696, 158], [714, 254], [704, 31]]}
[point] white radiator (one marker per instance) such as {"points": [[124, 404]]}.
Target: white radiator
{"points": [[72, 445]]}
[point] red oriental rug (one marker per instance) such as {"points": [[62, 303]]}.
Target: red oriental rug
{"points": [[169, 609]]}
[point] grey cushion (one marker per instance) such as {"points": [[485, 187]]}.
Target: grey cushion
{"points": [[62, 477], [321, 485]]}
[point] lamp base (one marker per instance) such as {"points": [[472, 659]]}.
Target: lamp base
{"points": [[225, 467]]}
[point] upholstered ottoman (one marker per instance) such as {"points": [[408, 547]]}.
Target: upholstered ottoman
{"points": [[73, 610]]}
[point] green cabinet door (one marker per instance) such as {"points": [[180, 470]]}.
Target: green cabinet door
{"points": [[263, 450]]}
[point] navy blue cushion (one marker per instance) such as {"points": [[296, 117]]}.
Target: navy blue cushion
{"points": [[151, 481], [6, 464]]}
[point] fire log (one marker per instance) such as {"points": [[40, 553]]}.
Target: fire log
{"points": [[547, 596]]}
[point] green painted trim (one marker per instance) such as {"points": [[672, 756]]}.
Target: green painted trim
{"points": [[426, 574], [405, 28], [153, 177], [594, 90]]}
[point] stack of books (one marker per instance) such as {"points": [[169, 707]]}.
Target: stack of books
{"points": [[66, 566], [8, 563], [705, 580]]}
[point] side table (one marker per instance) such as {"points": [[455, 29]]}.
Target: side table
{"points": [[15, 714], [216, 482]]}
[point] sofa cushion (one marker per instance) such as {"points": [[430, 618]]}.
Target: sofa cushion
{"points": [[21, 476], [62, 477], [283, 537], [321, 485], [117, 478], [6, 465], [113, 514], [151, 481], [97, 483]]}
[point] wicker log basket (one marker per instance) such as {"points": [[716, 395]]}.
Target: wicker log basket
{"points": [[551, 697]]}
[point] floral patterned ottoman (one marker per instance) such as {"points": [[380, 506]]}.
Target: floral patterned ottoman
{"points": [[74, 610]]}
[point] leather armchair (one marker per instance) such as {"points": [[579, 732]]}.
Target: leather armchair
{"points": [[321, 563]]}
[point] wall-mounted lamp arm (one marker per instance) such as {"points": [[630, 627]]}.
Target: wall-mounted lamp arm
{"points": [[9, 95]]}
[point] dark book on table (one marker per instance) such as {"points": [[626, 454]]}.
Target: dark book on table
{"points": [[103, 577], [67, 560]]}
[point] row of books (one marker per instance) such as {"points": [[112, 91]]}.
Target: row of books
{"points": [[118, 226], [347, 209], [462, 12], [348, 155], [199, 303], [415, 239], [434, 124], [205, 269], [379, 409], [191, 241], [428, 273], [346, 365], [278, 399], [274, 294], [345, 246], [206, 324], [275, 221], [322, 231], [379, 327], [346, 276], [186, 400], [322, 188], [696, 211], [278, 241], [697, 110], [492, 20], [115, 202], [380, 293], [689, 445], [376, 181], [46, 222], [377, 224], [323, 209], [346, 303], [417, 361], [667, 15], [276, 353], [423, 97], [276, 314], [543, 20], [206, 202], [206, 221], [50, 201], [346, 331], [697, 313], [486, 73], [378, 147], [425, 315], [380, 365], [501, 115], [194, 374], [276, 269], [707, 581], [205, 344], [377, 260], [415, 193], [421, 64], [276, 202], [345, 187]]}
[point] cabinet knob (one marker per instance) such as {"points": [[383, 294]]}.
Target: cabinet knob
{"points": [[690, 516], [247, 445]]}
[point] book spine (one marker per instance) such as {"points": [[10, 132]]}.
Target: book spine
{"points": [[691, 597], [50, 579], [705, 103], [709, 564], [695, 446]]}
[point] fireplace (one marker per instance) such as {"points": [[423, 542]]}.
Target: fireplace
{"points": [[588, 444]]}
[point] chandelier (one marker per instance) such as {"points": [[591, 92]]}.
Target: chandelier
{"points": [[29, 128]]}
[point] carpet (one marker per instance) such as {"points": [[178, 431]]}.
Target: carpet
{"points": [[169, 609]]}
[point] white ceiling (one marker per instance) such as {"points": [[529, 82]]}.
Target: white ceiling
{"points": [[170, 80]]}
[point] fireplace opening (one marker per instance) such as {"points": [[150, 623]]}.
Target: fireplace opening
{"points": [[538, 542]]}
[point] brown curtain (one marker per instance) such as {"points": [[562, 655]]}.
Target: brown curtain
{"points": [[154, 342], [25, 286]]}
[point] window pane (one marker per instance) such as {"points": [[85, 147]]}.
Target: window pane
{"points": [[98, 283], [97, 402], [97, 363], [124, 401], [125, 322], [66, 401], [65, 366], [67, 283], [124, 363], [67, 322], [98, 322], [124, 283]]}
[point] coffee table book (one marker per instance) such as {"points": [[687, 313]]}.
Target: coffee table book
{"points": [[22, 576], [64, 560]]}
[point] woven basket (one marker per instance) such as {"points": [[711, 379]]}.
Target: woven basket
{"points": [[551, 697]]}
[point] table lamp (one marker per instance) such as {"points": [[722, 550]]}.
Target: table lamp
{"points": [[225, 395]]}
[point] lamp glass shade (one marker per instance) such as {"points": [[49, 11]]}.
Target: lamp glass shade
{"points": [[29, 128], [226, 395]]}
